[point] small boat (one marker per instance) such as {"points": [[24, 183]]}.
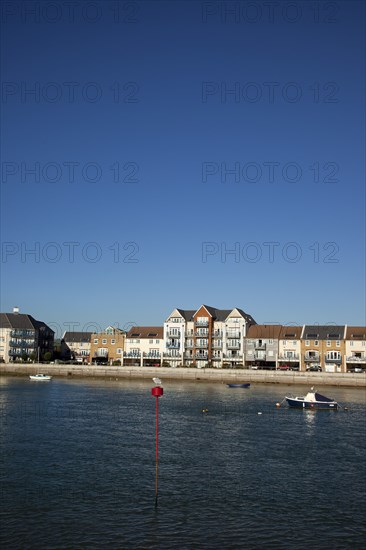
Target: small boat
{"points": [[312, 400], [238, 385], [40, 377]]}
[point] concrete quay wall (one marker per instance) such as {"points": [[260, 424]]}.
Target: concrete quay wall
{"points": [[234, 376]]}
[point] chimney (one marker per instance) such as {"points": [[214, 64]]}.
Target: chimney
{"points": [[16, 310]]}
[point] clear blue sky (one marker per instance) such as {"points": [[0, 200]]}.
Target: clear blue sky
{"points": [[174, 95]]}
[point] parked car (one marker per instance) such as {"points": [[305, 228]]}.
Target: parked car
{"points": [[283, 367], [314, 368], [295, 367]]}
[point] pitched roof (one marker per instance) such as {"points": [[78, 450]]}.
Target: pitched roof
{"points": [[21, 321], [217, 314], [264, 331], [323, 332], [77, 336], [146, 332], [356, 333], [290, 333]]}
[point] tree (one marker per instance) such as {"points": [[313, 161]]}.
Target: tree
{"points": [[47, 356]]}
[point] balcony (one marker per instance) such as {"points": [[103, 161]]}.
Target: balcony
{"points": [[217, 345], [132, 354], [294, 357], [21, 344], [22, 333], [260, 346], [217, 334], [233, 334], [233, 345], [173, 334], [202, 345], [356, 359], [189, 345], [189, 333], [172, 355], [203, 357], [215, 358], [337, 360], [151, 355], [201, 334], [173, 345], [312, 357], [202, 323]]}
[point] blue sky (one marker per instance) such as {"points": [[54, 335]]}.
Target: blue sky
{"points": [[159, 137]]}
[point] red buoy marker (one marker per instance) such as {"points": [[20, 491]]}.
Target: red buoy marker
{"points": [[157, 391]]}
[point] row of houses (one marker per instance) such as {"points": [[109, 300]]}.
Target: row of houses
{"points": [[206, 337]]}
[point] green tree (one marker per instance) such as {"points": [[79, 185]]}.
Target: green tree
{"points": [[47, 356]]}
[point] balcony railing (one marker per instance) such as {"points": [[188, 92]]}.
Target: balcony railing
{"points": [[151, 355], [201, 323], [216, 345], [22, 333], [132, 354], [260, 346], [21, 344], [172, 334], [202, 334], [356, 359], [201, 356], [217, 334], [172, 355], [233, 334], [314, 357], [173, 345], [294, 357], [189, 345], [337, 360], [215, 358], [233, 345], [202, 345]]}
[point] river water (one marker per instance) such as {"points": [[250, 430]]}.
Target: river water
{"points": [[78, 467]]}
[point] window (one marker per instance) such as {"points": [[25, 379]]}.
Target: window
{"points": [[104, 341], [119, 350], [157, 341], [328, 343], [284, 342], [307, 342], [151, 341], [113, 341], [270, 341], [316, 343], [95, 340]]}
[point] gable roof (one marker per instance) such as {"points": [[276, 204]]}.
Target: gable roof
{"points": [[217, 314], [323, 332], [21, 321], [356, 333], [264, 331], [146, 332], [77, 337], [290, 333]]}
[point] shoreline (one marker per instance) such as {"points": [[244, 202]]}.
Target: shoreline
{"points": [[193, 374]]}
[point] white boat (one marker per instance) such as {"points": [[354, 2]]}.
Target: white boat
{"points": [[312, 400], [40, 377]]}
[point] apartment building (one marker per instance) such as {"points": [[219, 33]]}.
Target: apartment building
{"points": [[356, 349], [206, 337], [76, 346], [262, 346], [23, 338], [144, 347], [323, 346], [107, 347]]}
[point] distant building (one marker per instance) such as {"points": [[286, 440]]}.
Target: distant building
{"points": [[76, 346], [289, 347], [356, 349], [144, 347], [206, 337], [108, 346], [24, 338]]}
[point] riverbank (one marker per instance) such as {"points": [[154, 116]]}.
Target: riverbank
{"points": [[212, 375]]}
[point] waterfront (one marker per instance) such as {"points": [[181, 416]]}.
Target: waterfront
{"points": [[77, 467]]}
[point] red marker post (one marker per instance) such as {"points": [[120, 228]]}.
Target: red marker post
{"points": [[157, 392]]}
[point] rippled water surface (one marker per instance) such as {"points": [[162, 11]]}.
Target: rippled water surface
{"points": [[78, 467]]}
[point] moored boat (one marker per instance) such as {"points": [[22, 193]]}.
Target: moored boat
{"points": [[40, 377], [238, 385], [312, 400]]}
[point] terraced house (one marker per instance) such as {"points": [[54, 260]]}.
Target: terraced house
{"points": [[262, 346], [355, 349], [323, 346], [76, 346], [107, 347], [206, 337], [24, 338]]}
